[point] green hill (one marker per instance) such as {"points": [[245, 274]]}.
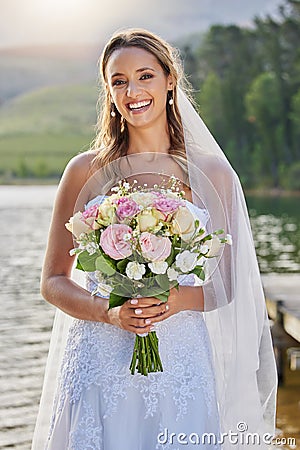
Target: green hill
{"points": [[41, 130]]}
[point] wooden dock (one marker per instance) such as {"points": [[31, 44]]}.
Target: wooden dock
{"points": [[282, 292]]}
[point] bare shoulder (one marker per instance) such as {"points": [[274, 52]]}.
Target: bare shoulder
{"points": [[80, 164], [75, 177]]}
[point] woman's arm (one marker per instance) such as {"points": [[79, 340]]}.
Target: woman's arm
{"points": [[56, 284]]}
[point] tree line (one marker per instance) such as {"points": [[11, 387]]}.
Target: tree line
{"points": [[247, 86]]}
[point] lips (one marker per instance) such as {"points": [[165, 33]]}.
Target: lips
{"points": [[139, 106]]}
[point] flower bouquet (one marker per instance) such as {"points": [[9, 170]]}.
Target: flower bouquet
{"points": [[138, 241]]}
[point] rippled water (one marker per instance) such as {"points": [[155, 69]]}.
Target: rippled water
{"points": [[276, 228], [26, 319]]}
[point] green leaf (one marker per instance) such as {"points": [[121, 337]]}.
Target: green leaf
{"points": [[124, 289], [104, 266], [87, 261], [116, 300], [78, 265], [121, 265], [163, 281], [199, 272], [163, 297], [218, 232], [171, 258]]}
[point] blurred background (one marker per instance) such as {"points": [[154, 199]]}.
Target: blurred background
{"points": [[243, 61]]}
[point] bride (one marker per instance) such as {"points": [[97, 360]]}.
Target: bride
{"points": [[219, 374]]}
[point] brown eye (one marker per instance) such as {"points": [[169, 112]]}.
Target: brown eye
{"points": [[118, 82], [146, 76]]}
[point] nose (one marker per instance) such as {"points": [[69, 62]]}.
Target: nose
{"points": [[133, 89]]}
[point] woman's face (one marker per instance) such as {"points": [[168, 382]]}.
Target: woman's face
{"points": [[138, 86]]}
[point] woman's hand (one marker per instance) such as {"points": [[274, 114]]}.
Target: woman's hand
{"points": [[138, 314]]}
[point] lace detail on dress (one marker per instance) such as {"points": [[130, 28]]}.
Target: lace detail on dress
{"points": [[100, 354], [88, 433]]}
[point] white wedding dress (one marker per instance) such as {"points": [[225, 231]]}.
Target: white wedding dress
{"points": [[99, 405]]}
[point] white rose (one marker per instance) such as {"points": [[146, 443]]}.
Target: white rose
{"points": [[158, 267], [78, 225], [186, 261], [172, 274], [229, 239], [215, 246], [183, 223], [135, 271]]}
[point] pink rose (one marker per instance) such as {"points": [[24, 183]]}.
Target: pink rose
{"points": [[114, 241], [155, 248], [167, 205], [90, 215], [127, 208], [92, 211]]}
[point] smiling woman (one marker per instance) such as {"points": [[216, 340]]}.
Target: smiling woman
{"points": [[148, 129]]}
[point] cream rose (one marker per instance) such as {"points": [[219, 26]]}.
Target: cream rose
{"points": [[143, 199], [183, 223], [106, 213], [147, 219], [78, 224]]}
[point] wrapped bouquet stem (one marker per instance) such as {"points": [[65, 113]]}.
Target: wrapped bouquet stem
{"points": [[145, 358]]}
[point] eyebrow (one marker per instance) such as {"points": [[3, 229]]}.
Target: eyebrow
{"points": [[142, 69]]}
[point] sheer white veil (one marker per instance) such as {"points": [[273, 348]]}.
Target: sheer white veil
{"points": [[234, 311], [237, 319]]}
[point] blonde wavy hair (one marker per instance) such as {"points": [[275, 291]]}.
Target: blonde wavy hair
{"points": [[112, 137]]}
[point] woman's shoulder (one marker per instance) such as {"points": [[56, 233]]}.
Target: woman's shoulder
{"points": [[79, 168], [82, 162]]}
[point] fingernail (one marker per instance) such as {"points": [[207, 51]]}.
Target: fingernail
{"points": [[167, 307], [152, 328], [147, 321], [134, 301], [138, 311]]}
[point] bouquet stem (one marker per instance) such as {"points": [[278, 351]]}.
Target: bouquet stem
{"points": [[145, 358]]}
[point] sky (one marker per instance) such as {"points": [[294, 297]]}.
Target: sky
{"points": [[39, 22]]}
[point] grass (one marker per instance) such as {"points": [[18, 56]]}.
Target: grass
{"points": [[39, 155], [41, 130]]}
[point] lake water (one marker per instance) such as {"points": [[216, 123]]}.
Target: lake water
{"points": [[25, 320]]}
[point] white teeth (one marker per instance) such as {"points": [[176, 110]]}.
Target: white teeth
{"points": [[139, 104]]}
